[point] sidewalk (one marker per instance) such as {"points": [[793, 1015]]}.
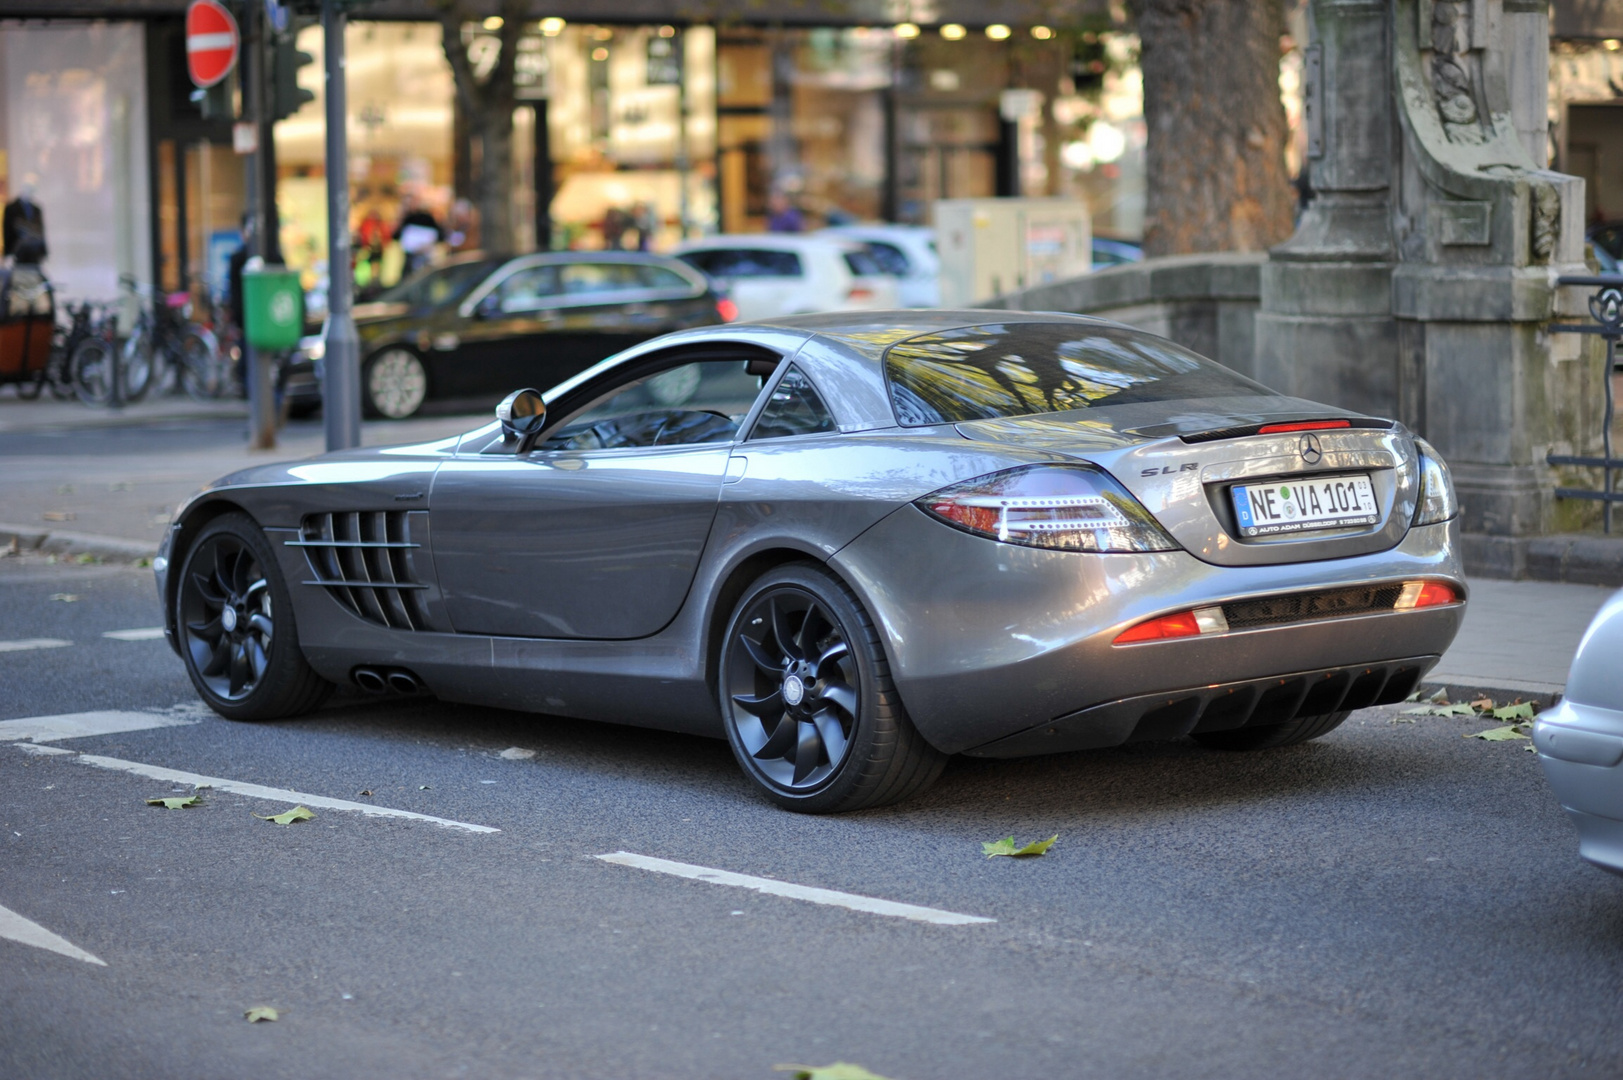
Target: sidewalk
{"points": [[80, 476]]}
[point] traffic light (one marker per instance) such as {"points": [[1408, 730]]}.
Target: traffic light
{"points": [[218, 101], [286, 93]]}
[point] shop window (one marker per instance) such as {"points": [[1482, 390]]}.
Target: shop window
{"points": [[795, 409], [745, 263]]}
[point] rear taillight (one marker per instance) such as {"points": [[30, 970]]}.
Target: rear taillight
{"points": [[1419, 594], [1070, 507], [727, 310], [1206, 620], [1437, 501], [859, 293]]}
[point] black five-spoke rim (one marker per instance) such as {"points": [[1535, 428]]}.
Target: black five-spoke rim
{"points": [[225, 613], [792, 684]]}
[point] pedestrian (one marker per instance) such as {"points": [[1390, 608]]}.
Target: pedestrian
{"points": [[371, 237], [785, 216], [418, 232], [24, 228]]}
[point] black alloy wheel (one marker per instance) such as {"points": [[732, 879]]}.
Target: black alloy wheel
{"points": [[811, 713], [235, 626]]}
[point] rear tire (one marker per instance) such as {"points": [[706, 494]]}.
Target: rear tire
{"points": [[234, 623], [1273, 735], [808, 703]]}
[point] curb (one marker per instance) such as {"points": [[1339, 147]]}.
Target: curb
{"points": [[47, 542], [1504, 695]]}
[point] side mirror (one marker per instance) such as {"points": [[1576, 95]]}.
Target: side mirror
{"points": [[522, 414]]}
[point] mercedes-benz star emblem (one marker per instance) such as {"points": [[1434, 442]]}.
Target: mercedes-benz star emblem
{"points": [[1311, 451], [228, 619], [793, 690]]}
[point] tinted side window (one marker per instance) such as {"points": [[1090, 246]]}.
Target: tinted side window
{"points": [[595, 279], [891, 259], [795, 409], [660, 277], [698, 402], [745, 262], [526, 289], [862, 263]]}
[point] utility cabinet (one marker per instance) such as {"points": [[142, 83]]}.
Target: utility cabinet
{"points": [[992, 246]]}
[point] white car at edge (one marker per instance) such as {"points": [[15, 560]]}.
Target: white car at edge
{"points": [[772, 274]]}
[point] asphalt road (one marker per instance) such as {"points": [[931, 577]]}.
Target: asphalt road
{"points": [[1394, 900]]}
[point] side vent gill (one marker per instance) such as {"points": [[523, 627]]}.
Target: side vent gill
{"points": [[365, 562]]}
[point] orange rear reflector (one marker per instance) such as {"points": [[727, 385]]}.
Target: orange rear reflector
{"points": [[1302, 425], [1419, 594], [1182, 624]]}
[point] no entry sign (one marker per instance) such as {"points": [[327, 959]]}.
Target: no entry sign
{"points": [[211, 42]]}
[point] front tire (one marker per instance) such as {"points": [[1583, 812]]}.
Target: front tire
{"points": [[808, 703], [395, 383], [1273, 735], [234, 621]]}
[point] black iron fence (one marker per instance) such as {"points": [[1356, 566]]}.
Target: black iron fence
{"points": [[1606, 308]]}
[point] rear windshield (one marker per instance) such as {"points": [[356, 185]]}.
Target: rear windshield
{"points": [[1021, 369], [744, 262]]}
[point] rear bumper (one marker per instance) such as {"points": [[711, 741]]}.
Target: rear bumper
{"points": [[1581, 749], [989, 640], [1252, 703]]}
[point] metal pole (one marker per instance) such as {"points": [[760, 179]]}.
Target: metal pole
{"points": [[1606, 430], [341, 376], [261, 392]]}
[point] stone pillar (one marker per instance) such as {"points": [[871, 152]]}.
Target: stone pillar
{"points": [[1418, 283], [1326, 292]]}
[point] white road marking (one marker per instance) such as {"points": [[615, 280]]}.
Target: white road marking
{"points": [[83, 725], [27, 644], [140, 633], [259, 791], [794, 892], [17, 928]]}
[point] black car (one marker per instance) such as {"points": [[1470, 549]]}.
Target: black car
{"points": [[482, 325]]}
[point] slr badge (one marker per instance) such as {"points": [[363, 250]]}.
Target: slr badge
{"points": [[1312, 453]]}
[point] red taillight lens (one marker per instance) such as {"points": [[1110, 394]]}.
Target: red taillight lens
{"points": [[1167, 626], [1419, 594], [727, 310], [859, 293], [1070, 507], [1302, 425]]}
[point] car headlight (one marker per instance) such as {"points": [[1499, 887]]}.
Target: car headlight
{"points": [[1069, 507], [313, 347], [1437, 500]]}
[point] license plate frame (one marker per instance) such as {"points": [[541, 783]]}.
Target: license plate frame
{"points": [[1341, 501]]}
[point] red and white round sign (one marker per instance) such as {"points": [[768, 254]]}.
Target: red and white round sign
{"points": [[211, 42]]}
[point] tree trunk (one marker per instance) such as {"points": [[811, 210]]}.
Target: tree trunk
{"points": [[488, 106], [1215, 156]]}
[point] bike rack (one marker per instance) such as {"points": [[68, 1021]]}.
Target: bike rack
{"points": [[1606, 308]]}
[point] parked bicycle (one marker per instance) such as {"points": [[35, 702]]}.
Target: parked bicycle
{"points": [[166, 352], [90, 355]]}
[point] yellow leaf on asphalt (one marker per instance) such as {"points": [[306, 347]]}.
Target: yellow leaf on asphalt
{"points": [[261, 1012], [840, 1070], [1499, 734], [1521, 711], [1007, 846], [181, 802], [288, 817]]}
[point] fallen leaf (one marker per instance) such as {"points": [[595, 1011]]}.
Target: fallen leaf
{"points": [[66, 597], [288, 817], [1440, 697], [1521, 711], [1441, 710], [1499, 734], [261, 1012], [59, 515], [1423, 710], [1483, 703], [84, 559], [179, 802], [422, 787], [516, 753], [367, 792], [840, 1070], [1413, 697], [1006, 846]]}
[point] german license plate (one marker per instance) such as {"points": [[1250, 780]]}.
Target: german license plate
{"points": [[1324, 502]]}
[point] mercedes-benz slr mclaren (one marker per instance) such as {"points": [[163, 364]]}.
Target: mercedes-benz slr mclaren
{"points": [[853, 545]]}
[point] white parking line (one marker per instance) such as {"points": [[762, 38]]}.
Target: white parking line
{"points": [[33, 643], [85, 724], [794, 892], [16, 928], [140, 633]]}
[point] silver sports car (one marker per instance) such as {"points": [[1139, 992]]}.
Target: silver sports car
{"points": [[1580, 741], [853, 544]]}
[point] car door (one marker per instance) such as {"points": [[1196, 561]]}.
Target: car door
{"points": [[596, 533]]}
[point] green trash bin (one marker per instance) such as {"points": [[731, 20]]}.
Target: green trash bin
{"points": [[273, 307]]}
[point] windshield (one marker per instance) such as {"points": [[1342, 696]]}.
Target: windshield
{"points": [[437, 287], [1022, 369]]}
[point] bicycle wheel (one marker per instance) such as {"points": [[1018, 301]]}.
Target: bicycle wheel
{"points": [[91, 368], [139, 365], [198, 360]]}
